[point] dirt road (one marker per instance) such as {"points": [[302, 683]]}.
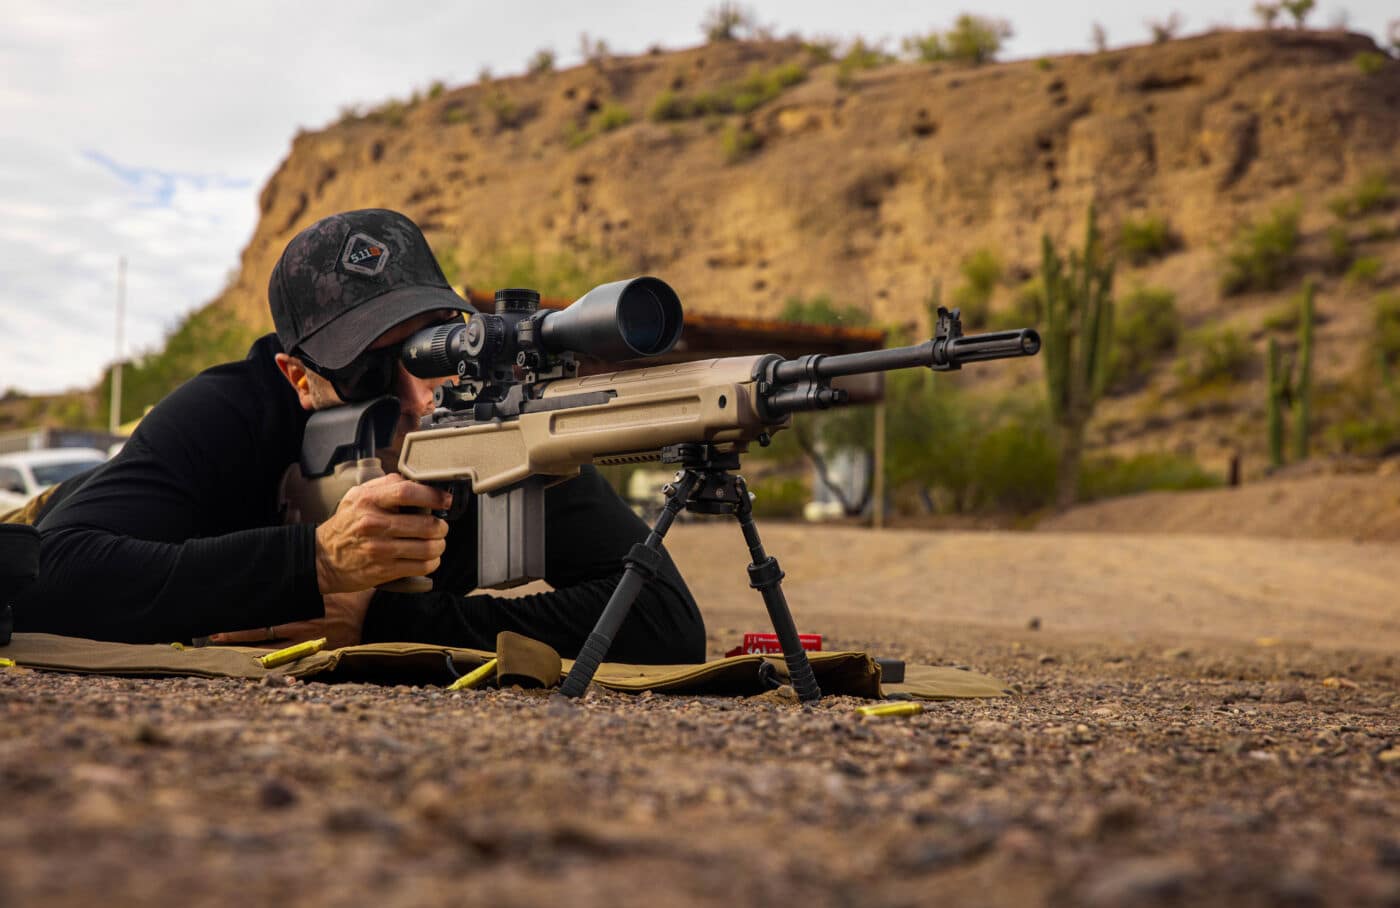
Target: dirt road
{"points": [[1208, 721]]}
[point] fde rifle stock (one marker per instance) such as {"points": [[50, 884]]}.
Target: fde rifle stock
{"points": [[516, 418]]}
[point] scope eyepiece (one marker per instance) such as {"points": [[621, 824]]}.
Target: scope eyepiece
{"points": [[435, 351]]}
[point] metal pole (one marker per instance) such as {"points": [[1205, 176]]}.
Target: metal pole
{"points": [[114, 417], [878, 496]]}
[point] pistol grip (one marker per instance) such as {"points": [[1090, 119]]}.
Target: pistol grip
{"points": [[409, 584]]}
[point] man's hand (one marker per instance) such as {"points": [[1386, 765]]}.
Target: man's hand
{"points": [[369, 541], [342, 625]]}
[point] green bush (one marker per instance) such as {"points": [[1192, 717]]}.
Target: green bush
{"points": [[820, 310], [504, 111], [1213, 356], [1339, 251], [671, 105], [609, 117], [858, 58], [738, 142], [727, 22], [972, 39], [1364, 270], [1108, 477], [1372, 192], [542, 62], [820, 50], [971, 453], [780, 496], [1369, 62], [1146, 238], [1146, 325], [1263, 253], [980, 272], [748, 94], [1026, 310], [1386, 329]]}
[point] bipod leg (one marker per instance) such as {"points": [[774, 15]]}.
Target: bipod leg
{"points": [[642, 562], [766, 577]]}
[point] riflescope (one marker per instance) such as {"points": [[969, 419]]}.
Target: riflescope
{"points": [[618, 321]]}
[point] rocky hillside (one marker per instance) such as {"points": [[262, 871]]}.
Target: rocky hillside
{"points": [[745, 173]]}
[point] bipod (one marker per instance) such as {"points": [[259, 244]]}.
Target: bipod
{"points": [[705, 485]]}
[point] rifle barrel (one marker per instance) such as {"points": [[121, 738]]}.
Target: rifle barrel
{"points": [[937, 353]]}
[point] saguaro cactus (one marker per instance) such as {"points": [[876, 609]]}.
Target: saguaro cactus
{"points": [[1287, 390], [1302, 389], [1078, 345], [1278, 390]]}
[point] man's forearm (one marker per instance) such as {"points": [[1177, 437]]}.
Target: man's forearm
{"points": [[100, 585]]}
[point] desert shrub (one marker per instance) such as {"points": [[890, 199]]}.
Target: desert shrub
{"points": [[972, 39], [753, 91], [390, 113], [1025, 310], [980, 273], [1298, 9], [505, 113], [820, 310], [1364, 270], [968, 453], [738, 141], [1369, 62], [1371, 193], [859, 57], [1146, 325], [436, 89], [1146, 238], [820, 50], [1164, 30], [1339, 251], [607, 118], [1107, 477], [670, 105], [726, 22], [542, 62], [762, 86], [1213, 356], [1263, 253], [611, 116], [1385, 332], [780, 496], [976, 39]]}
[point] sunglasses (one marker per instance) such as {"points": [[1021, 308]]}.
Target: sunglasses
{"points": [[367, 376]]}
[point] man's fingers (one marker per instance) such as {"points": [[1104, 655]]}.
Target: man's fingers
{"points": [[406, 494], [394, 526]]}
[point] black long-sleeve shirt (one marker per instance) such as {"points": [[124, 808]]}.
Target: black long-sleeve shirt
{"points": [[178, 537]]}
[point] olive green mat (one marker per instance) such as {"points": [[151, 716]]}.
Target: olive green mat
{"points": [[852, 674]]}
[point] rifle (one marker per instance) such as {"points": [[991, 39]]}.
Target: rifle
{"points": [[517, 418]]}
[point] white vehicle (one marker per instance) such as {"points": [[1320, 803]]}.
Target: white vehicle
{"points": [[25, 474]]}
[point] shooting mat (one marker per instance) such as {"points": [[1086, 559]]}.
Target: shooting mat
{"points": [[852, 674]]}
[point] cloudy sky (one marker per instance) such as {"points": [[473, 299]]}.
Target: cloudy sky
{"points": [[146, 128]]}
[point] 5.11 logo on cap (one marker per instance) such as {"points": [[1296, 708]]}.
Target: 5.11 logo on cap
{"points": [[364, 254]]}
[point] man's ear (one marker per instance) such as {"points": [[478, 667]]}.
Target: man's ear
{"points": [[295, 371]]}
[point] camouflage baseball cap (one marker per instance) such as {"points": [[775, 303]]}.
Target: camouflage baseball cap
{"points": [[350, 277]]}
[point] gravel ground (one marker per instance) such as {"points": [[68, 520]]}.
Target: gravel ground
{"points": [[1145, 760]]}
